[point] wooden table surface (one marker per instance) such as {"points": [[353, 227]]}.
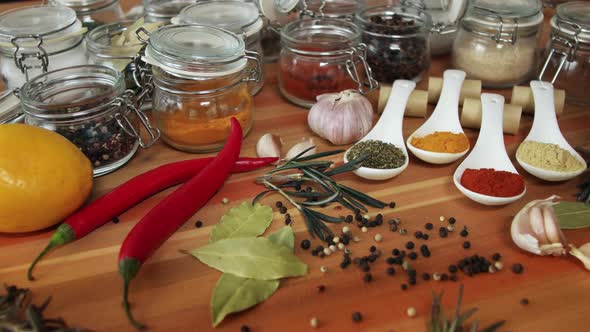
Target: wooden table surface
{"points": [[172, 292]]}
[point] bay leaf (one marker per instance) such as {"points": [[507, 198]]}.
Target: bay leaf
{"points": [[572, 215], [284, 237], [257, 258], [234, 294], [245, 220]]}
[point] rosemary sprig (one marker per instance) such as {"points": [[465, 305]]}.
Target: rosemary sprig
{"points": [[318, 174], [439, 322]]}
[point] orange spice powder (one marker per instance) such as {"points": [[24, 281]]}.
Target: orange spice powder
{"points": [[442, 141]]}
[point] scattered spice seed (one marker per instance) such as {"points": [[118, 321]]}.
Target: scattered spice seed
{"points": [[498, 265], [356, 239], [404, 287], [425, 236], [327, 251], [336, 239], [496, 256], [464, 232], [115, 220], [436, 276], [441, 218], [450, 228], [425, 276], [345, 229], [453, 268], [364, 229], [411, 312], [279, 204], [368, 277], [348, 219], [323, 269], [418, 235], [466, 244], [524, 301], [413, 255], [305, 244], [428, 226], [444, 277], [395, 252], [443, 232], [321, 288], [347, 251], [225, 200], [491, 269], [517, 268], [410, 245], [341, 246], [391, 205], [378, 237], [314, 322], [357, 317], [390, 271], [403, 231], [244, 328], [453, 278], [452, 220], [198, 224], [333, 248]]}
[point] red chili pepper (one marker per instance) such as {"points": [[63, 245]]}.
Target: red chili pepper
{"points": [[173, 211], [127, 195]]}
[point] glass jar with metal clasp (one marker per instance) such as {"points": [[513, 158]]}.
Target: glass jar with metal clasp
{"points": [[343, 9], [497, 41], [568, 51], [200, 77], [34, 40], [322, 55], [94, 13], [445, 15], [163, 10], [90, 106], [397, 39], [239, 17]]}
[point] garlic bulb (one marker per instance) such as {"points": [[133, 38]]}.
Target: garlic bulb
{"points": [[535, 229], [305, 144], [341, 118], [269, 145]]}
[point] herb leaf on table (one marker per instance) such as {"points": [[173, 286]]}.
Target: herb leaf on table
{"points": [[245, 220]]}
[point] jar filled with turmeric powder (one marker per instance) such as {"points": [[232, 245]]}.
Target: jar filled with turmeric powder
{"points": [[200, 78]]}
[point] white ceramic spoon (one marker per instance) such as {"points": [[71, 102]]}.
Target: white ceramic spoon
{"points": [[546, 130], [389, 130], [444, 118], [489, 150]]}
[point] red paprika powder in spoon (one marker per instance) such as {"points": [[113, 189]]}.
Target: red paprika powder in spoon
{"points": [[490, 182]]}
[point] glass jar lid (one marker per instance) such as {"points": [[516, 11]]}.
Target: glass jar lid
{"points": [[85, 6], [99, 41], [236, 16], [278, 10], [573, 19], [511, 14], [56, 26], [332, 8], [196, 50], [320, 35]]}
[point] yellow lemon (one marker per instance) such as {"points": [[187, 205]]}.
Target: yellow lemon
{"points": [[43, 178]]}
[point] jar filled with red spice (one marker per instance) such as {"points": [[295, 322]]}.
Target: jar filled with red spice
{"points": [[322, 55]]}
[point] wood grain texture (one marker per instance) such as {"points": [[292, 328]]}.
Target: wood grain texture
{"points": [[172, 292]]}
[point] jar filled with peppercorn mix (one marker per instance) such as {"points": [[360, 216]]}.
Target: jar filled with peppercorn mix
{"points": [[239, 17], [568, 51], [397, 39], [322, 55], [497, 41], [89, 106], [94, 13], [200, 78]]}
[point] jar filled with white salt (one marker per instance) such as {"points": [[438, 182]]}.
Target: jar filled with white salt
{"points": [[497, 41], [37, 39]]}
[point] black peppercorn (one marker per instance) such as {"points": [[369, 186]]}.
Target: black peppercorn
{"points": [[425, 236], [358, 217], [368, 277], [390, 260], [349, 218], [453, 278], [425, 276], [444, 277], [279, 204], [443, 232], [391, 205], [418, 235], [413, 255], [390, 271], [452, 220], [496, 256], [404, 287], [410, 245], [524, 301], [365, 267], [305, 244], [244, 328], [283, 209], [453, 268], [357, 317], [464, 232], [466, 244], [372, 258], [116, 221], [395, 252], [372, 249], [517, 268], [428, 226]]}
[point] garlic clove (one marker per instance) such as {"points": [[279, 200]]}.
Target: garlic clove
{"points": [[305, 144], [269, 145], [535, 229], [582, 253]]}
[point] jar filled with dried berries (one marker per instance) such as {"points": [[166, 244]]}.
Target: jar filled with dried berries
{"points": [[322, 55], [568, 51], [200, 79], [397, 39], [89, 106]]}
